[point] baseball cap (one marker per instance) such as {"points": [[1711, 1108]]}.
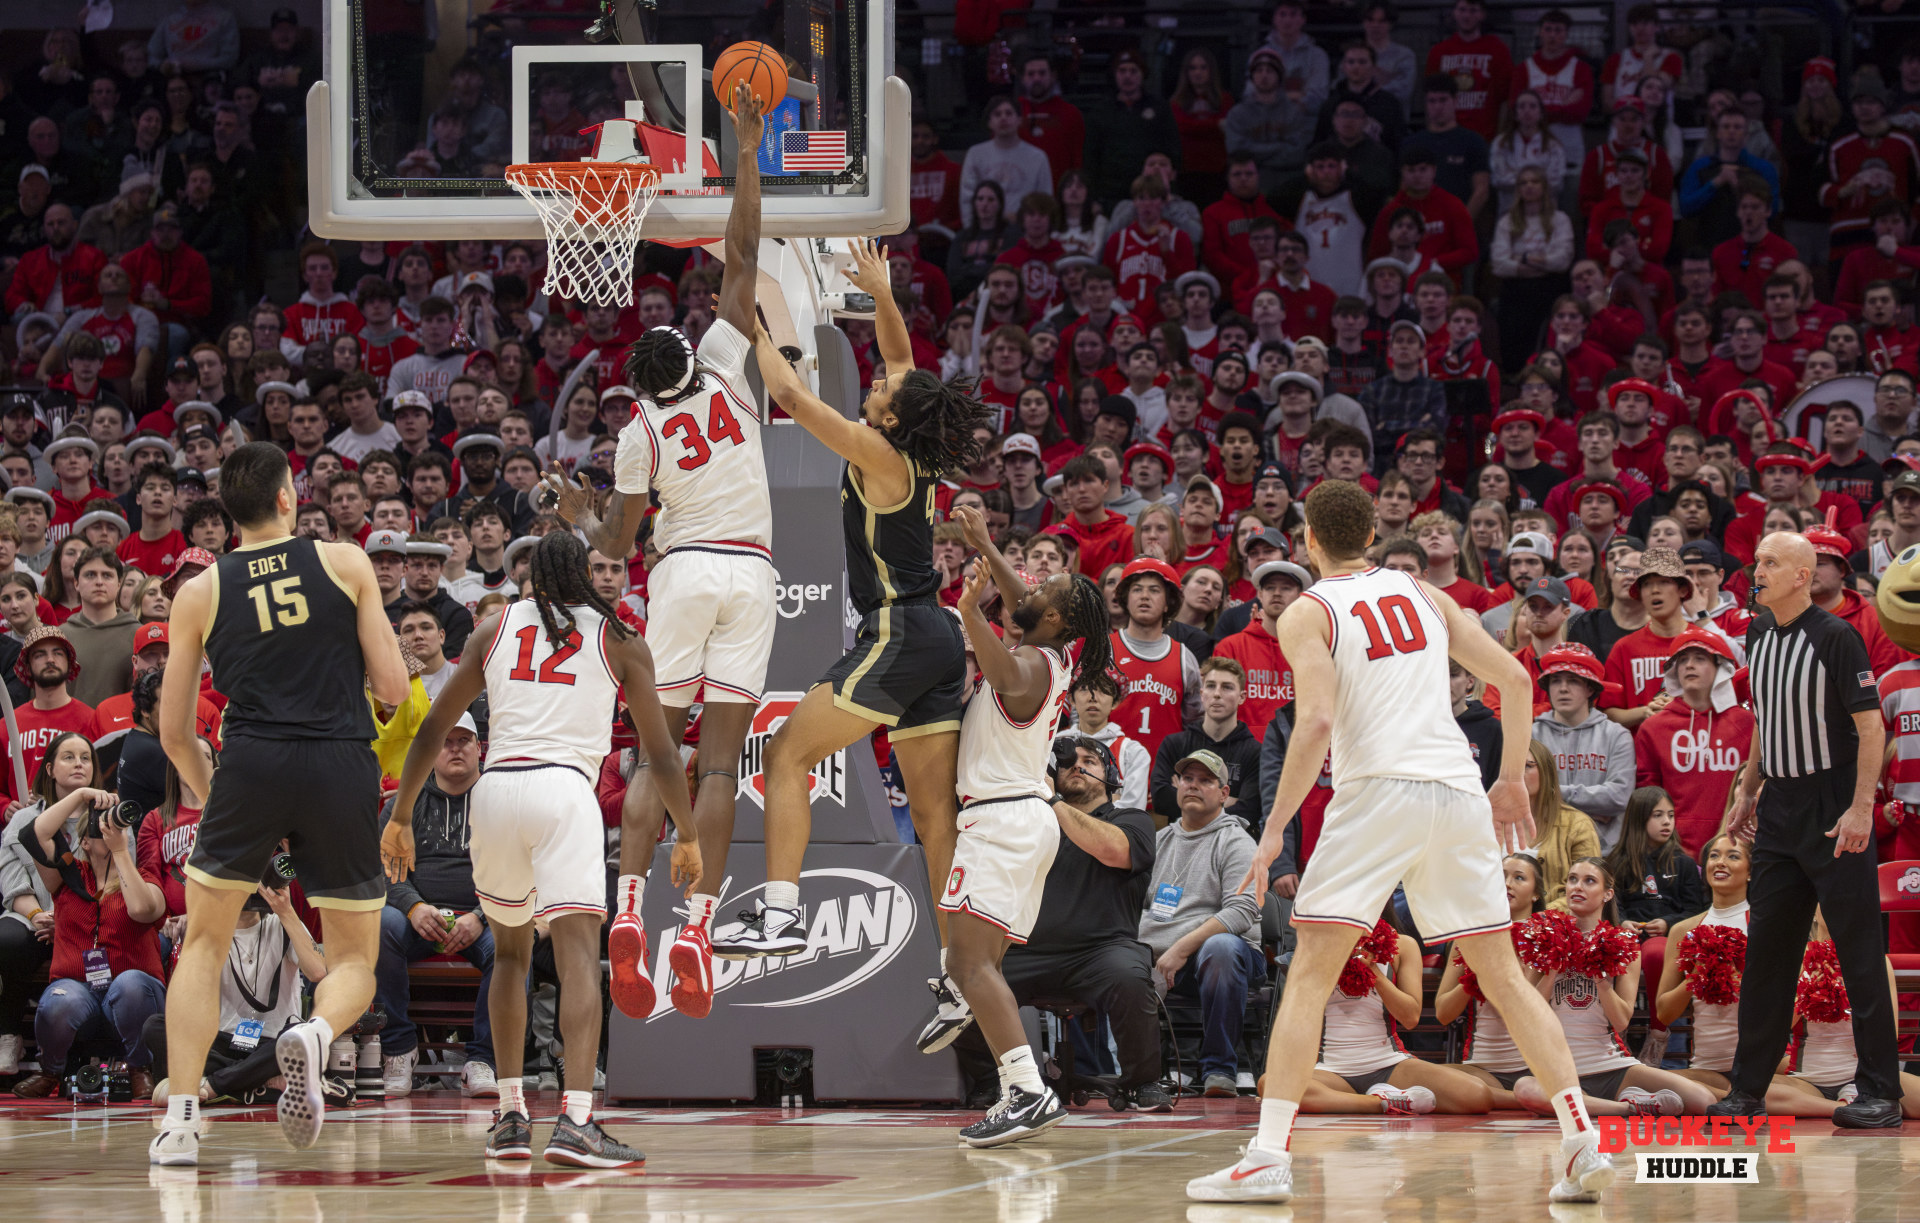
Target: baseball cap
{"points": [[466, 723], [18, 401], [1400, 325], [167, 214], [1020, 443], [1417, 155], [182, 368], [193, 433], [1270, 537], [149, 635], [1294, 377], [1210, 761], [194, 559], [1703, 552], [1310, 341], [476, 280], [1201, 481], [284, 16], [386, 541], [1281, 569], [1531, 543], [32, 168], [1549, 588], [416, 400], [1634, 155], [618, 391], [1906, 481], [1629, 102]]}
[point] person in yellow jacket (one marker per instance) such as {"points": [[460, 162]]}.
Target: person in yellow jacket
{"points": [[1565, 834], [399, 723]]}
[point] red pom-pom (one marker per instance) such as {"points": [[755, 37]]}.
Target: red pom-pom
{"points": [[1606, 951], [1711, 961], [1822, 995], [1468, 980], [1382, 944], [1549, 941]]}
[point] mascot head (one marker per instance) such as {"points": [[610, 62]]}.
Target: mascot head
{"points": [[1898, 600]]}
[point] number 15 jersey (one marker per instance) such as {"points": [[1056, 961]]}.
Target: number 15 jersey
{"points": [[1392, 705], [703, 454]]}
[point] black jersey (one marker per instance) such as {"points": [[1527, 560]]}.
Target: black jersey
{"points": [[889, 548], [1809, 678], [285, 645]]}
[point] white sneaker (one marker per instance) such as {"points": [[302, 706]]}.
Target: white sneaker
{"points": [[175, 1148], [1260, 1176], [761, 931], [1403, 1101], [397, 1073], [951, 1015], [1848, 1094], [476, 1079], [1587, 1170], [9, 1054], [1662, 1103], [303, 1062]]}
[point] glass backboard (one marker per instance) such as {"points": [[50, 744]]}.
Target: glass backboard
{"points": [[415, 122]]}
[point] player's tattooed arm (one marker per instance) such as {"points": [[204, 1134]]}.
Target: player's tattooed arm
{"points": [[609, 531]]}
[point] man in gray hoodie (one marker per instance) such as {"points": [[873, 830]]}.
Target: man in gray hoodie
{"points": [[1202, 930], [1267, 125], [1593, 752]]}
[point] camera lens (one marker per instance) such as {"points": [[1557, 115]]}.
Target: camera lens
{"points": [[128, 814], [283, 866]]}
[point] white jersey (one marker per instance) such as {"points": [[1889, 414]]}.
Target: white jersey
{"points": [[1357, 1036], [1595, 1046], [1002, 758], [549, 706], [702, 455], [1336, 241], [1392, 706], [1716, 1026]]}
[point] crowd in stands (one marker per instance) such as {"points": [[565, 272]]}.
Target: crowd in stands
{"points": [[1563, 317]]}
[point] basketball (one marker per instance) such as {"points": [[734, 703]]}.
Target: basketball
{"points": [[759, 65]]}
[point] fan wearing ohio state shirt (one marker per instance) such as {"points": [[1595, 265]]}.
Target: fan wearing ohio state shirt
{"points": [[1149, 252], [1161, 678], [1637, 662], [1695, 745], [1479, 63]]}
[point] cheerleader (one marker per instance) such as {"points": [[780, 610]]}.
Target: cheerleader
{"points": [[1492, 1057], [1363, 1068], [1593, 1013], [1824, 1060], [1716, 1025]]}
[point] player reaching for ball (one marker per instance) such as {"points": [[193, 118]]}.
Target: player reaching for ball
{"points": [[909, 661], [552, 669], [1008, 831], [695, 440], [1369, 649]]}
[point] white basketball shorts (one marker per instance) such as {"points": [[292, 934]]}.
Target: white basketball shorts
{"points": [[537, 842], [1000, 863], [711, 623], [1433, 839]]}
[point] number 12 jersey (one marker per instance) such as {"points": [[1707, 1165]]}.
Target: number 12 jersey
{"points": [[1392, 705], [553, 706]]}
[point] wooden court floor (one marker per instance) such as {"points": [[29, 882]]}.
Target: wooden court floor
{"points": [[419, 1159]]}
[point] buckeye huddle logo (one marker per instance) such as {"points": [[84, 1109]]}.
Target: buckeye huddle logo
{"points": [[829, 779]]}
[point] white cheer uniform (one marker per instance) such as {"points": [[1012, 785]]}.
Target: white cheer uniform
{"points": [[1008, 831], [537, 840], [714, 585], [1408, 807], [1716, 1026], [1357, 1036], [1595, 1046]]}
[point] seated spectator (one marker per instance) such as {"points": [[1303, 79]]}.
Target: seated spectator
{"points": [[1593, 754], [1202, 929], [434, 912], [123, 223], [1222, 692], [106, 969], [64, 271], [1083, 948], [47, 661], [1660, 884], [1562, 834]]}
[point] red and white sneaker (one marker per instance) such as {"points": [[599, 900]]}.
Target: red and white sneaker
{"points": [[691, 959], [633, 989]]}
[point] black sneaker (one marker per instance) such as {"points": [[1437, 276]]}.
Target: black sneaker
{"points": [[1868, 1113], [1151, 1098], [589, 1146], [511, 1136], [760, 932], [1738, 1104], [1019, 1114], [337, 1090], [950, 1017]]}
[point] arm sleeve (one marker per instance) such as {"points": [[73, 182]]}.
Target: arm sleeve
{"points": [[969, 179], [1692, 897], [1504, 263], [1160, 789], [1246, 803], [1852, 671], [1695, 189], [1559, 256], [1608, 801], [1140, 839], [146, 329], [1135, 769]]}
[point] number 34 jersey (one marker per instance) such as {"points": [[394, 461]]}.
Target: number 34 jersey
{"points": [[554, 706], [702, 454], [1392, 706]]}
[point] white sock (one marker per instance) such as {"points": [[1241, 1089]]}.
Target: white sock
{"points": [[632, 889], [943, 961], [782, 896], [182, 1107], [324, 1028], [1276, 1124], [1570, 1109], [578, 1106], [1018, 1069], [700, 909], [512, 1098]]}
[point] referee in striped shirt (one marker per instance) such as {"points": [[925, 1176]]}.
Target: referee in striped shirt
{"points": [[1817, 742]]}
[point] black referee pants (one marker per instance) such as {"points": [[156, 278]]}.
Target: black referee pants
{"points": [[1114, 978], [1793, 870]]}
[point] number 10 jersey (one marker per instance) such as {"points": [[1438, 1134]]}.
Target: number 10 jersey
{"points": [[702, 454], [1392, 705]]}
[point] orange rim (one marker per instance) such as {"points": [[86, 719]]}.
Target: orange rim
{"points": [[593, 184]]}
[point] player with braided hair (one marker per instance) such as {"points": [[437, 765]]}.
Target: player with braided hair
{"points": [[1009, 831], [908, 663], [553, 670]]}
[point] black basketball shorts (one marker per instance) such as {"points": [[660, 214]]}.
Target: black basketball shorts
{"points": [[905, 671], [321, 795]]}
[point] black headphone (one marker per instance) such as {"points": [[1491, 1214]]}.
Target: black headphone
{"points": [[1066, 756]]}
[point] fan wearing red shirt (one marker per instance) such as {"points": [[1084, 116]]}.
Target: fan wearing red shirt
{"points": [[1650, 216], [1832, 567], [1199, 523], [1239, 461], [1696, 743], [156, 545], [1640, 450], [74, 491], [934, 180], [1159, 677], [1269, 679], [1587, 362], [1600, 173], [1599, 434], [382, 342], [1790, 334], [1226, 224], [1104, 536], [1048, 121], [1450, 237], [1783, 475], [1480, 65], [1035, 254], [1149, 252], [1745, 262], [321, 313], [1885, 341], [1869, 164], [47, 664], [610, 332], [1439, 537], [1886, 257], [1746, 336], [1637, 662]]}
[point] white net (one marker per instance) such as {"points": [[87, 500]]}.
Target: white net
{"points": [[593, 213]]}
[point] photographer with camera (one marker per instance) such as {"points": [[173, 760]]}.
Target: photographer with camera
{"points": [[1084, 947], [259, 997], [106, 912]]}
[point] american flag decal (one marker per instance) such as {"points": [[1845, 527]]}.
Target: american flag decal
{"points": [[815, 152]]}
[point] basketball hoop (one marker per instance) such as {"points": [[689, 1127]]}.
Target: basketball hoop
{"points": [[593, 212]]}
